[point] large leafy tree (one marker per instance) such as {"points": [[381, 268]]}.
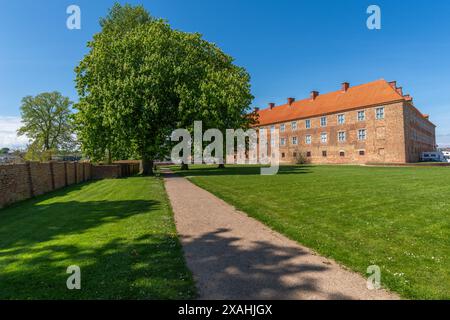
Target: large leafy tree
{"points": [[142, 79], [47, 122]]}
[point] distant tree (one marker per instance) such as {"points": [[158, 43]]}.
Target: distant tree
{"points": [[47, 122], [4, 150], [142, 79]]}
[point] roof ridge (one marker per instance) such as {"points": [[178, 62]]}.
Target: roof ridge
{"points": [[296, 102], [359, 96]]}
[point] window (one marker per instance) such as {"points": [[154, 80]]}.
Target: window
{"points": [[324, 153], [308, 154], [379, 113], [323, 121], [272, 142], [308, 139], [362, 134], [362, 152], [294, 154], [308, 124], [324, 137], [282, 127], [342, 154], [283, 141], [294, 141], [341, 136], [272, 128], [294, 125], [361, 115], [283, 155], [341, 118]]}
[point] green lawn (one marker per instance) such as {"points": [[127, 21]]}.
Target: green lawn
{"points": [[119, 232], [396, 218]]}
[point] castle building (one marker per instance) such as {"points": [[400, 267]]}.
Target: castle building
{"points": [[369, 123]]}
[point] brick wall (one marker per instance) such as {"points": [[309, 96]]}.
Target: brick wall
{"points": [[59, 174], [384, 142], [71, 173], [106, 172], [14, 184], [23, 181]]}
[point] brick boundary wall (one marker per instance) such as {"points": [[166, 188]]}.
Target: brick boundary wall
{"points": [[23, 181]]}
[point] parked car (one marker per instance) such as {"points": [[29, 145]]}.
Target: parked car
{"points": [[434, 156], [446, 155]]}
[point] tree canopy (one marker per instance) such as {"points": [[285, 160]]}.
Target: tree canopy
{"points": [[142, 79], [47, 122]]}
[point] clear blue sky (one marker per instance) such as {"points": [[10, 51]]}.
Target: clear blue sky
{"points": [[289, 47]]}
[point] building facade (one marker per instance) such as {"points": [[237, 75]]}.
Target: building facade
{"points": [[369, 123]]}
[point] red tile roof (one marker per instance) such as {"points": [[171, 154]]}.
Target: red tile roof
{"points": [[369, 94]]}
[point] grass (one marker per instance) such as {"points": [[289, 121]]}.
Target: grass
{"points": [[120, 233], [396, 218]]}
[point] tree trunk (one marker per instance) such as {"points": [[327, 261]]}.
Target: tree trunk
{"points": [[109, 157], [184, 166], [146, 167], [221, 166]]}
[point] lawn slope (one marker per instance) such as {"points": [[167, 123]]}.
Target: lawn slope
{"points": [[119, 232]]}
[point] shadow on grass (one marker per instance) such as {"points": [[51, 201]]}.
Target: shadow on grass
{"points": [[122, 261], [150, 267], [227, 270], [238, 170], [42, 222]]}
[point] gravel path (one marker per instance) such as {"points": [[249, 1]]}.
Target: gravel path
{"points": [[233, 256]]}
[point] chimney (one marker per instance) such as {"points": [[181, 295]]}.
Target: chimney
{"points": [[291, 101], [426, 116], [393, 84], [271, 105], [256, 109], [400, 91], [345, 86], [314, 95], [408, 98]]}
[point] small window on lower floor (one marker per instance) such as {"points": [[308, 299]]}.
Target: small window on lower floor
{"points": [[294, 154], [362, 152], [342, 154], [308, 154], [283, 154], [324, 153]]}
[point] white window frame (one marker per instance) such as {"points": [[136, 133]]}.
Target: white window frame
{"points": [[294, 141], [272, 128], [363, 118], [362, 137], [379, 115], [344, 135], [282, 141], [323, 121], [341, 117], [322, 135], [308, 139], [308, 123], [282, 127], [294, 125]]}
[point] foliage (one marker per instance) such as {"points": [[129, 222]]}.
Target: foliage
{"points": [[300, 157], [47, 122], [142, 79], [4, 150]]}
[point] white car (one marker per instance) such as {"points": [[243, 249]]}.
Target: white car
{"points": [[446, 155]]}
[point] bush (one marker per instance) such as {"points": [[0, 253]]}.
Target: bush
{"points": [[300, 157]]}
